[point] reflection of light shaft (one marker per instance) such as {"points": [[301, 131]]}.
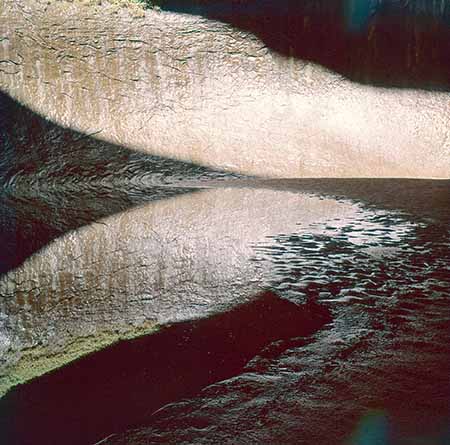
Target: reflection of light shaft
{"points": [[170, 260], [173, 259]]}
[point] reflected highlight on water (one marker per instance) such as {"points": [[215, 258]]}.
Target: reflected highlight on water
{"points": [[381, 274]]}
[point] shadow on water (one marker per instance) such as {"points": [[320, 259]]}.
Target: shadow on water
{"points": [[120, 387], [54, 180], [398, 43]]}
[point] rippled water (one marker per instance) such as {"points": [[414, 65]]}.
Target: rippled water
{"points": [[380, 369], [377, 264]]}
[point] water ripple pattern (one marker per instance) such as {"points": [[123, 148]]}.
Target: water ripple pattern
{"points": [[336, 257], [385, 277]]}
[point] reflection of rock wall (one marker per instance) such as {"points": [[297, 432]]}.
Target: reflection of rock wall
{"points": [[170, 260], [202, 91]]}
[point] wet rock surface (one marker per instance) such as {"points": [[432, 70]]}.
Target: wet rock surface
{"points": [[104, 262], [47, 170]]}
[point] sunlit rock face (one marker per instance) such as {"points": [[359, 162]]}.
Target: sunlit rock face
{"points": [[203, 90]]}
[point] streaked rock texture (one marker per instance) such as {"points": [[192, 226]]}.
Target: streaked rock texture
{"points": [[204, 91]]}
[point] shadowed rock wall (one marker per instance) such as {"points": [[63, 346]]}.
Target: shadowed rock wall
{"points": [[200, 90], [397, 43]]}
